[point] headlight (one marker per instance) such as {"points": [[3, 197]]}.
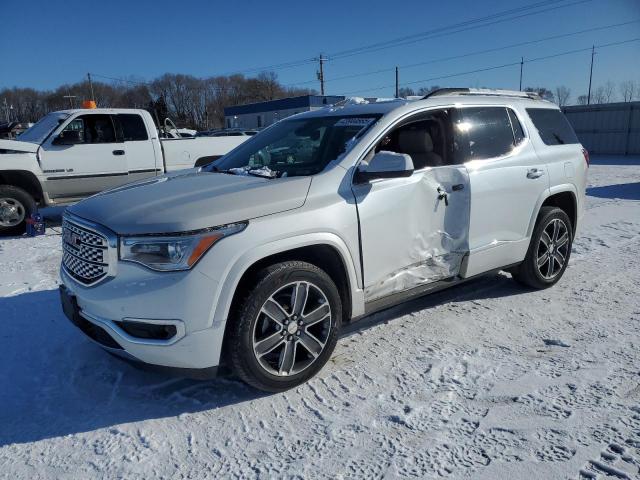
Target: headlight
{"points": [[174, 251]]}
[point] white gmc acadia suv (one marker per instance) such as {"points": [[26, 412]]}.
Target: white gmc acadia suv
{"points": [[256, 260]]}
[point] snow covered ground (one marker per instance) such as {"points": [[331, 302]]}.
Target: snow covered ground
{"points": [[486, 380]]}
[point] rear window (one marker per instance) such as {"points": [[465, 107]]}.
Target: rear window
{"points": [[484, 132], [132, 127], [553, 127]]}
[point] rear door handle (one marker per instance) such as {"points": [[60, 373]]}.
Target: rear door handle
{"points": [[535, 173], [118, 152], [458, 187]]}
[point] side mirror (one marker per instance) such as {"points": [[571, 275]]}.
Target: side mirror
{"points": [[68, 137], [385, 165]]}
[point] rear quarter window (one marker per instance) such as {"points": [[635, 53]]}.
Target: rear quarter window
{"points": [[553, 127], [133, 128]]}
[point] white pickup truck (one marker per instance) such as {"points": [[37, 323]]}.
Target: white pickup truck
{"points": [[71, 154]]}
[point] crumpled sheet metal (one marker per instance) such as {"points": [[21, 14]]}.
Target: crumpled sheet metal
{"points": [[433, 260], [437, 254]]}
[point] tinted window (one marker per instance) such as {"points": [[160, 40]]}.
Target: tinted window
{"points": [[518, 133], [427, 138], [92, 129], [552, 125], [132, 127], [484, 132]]}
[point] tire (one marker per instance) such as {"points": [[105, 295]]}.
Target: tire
{"points": [[260, 345], [549, 251], [16, 205]]}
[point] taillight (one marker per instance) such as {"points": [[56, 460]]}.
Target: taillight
{"points": [[586, 155]]}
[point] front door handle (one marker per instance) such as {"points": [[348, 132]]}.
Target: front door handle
{"points": [[118, 152], [443, 195], [535, 173]]}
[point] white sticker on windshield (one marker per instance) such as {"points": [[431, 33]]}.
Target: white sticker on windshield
{"points": [[354, 121]]}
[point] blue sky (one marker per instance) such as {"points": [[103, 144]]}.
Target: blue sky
{"points": [[45, 43]]}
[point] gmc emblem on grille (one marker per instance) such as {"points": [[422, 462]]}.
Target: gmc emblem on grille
{"points": [[72, 238]]}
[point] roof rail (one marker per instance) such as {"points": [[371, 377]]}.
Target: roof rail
{"points": [[441, 92]]}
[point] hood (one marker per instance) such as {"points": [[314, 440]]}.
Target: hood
{"points": [[191, 201], [18, 146]]}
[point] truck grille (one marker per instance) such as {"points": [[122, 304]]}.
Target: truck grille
{"points": [[85, 253]]}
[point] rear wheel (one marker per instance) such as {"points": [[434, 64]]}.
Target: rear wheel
{"points": [[16, 206], [549, 250], [286, 327]]}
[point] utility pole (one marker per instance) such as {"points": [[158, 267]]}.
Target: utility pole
{"points": [[91, 87], [397, 84], [521, 64], [6, 110], [320, 73], [70, 97], [593, 52]]}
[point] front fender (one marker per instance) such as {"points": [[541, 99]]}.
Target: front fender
{"points": [[224, 298], [26, 161]]}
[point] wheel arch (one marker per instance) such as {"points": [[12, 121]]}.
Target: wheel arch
{"points": [[562, 196], [25, 180], [326, 251]]}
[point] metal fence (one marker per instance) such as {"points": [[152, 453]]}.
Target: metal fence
{"points": [[610, 128]]}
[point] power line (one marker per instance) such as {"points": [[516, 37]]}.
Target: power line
{"points": [[470, 54], [496, 67], [456, 25], [417, 37], [456, 28]]}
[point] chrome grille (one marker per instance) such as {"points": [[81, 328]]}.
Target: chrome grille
{"points": [[85, 253]]}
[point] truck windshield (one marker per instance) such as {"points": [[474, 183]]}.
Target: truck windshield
{"points": [[295, 147], [41, 130]]}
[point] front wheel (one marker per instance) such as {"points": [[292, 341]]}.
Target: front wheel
{"points": [[549, 250], [16, 206], [286, 327]]}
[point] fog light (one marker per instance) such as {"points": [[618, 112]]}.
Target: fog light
{"points": [[148, 331]]}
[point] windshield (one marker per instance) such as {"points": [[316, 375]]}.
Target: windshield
{"points": [[41, 130], [295, 147]]}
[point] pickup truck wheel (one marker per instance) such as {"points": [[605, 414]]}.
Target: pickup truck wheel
{"points": [[16, 206], [549, 250], [286, 327]]}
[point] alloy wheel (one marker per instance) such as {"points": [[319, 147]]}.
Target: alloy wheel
{"points": [[553, 249], [292, 328]]}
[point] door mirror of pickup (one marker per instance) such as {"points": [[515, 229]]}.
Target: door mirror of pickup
{"points": [[385, 165], [68, 137]]}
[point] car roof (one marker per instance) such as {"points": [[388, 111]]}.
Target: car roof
{"points": [[361, 107]]}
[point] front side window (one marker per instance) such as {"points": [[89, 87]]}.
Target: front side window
{"points": [[427, 138], [90, 129], [133, 128], [553, 126], [484, 132], [298, 147]]}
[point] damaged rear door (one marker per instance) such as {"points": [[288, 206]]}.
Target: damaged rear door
{"points": [[414, 230]]}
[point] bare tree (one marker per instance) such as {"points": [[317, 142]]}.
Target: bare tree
{"points": [[609, 89], [599, 95], [190, 101], [427, 90], [562, 95], [582, 99], [405, 92], [628, 90], [544, 92]]}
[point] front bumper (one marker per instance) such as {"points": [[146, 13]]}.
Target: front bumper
{"points": [[97, 312]]}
